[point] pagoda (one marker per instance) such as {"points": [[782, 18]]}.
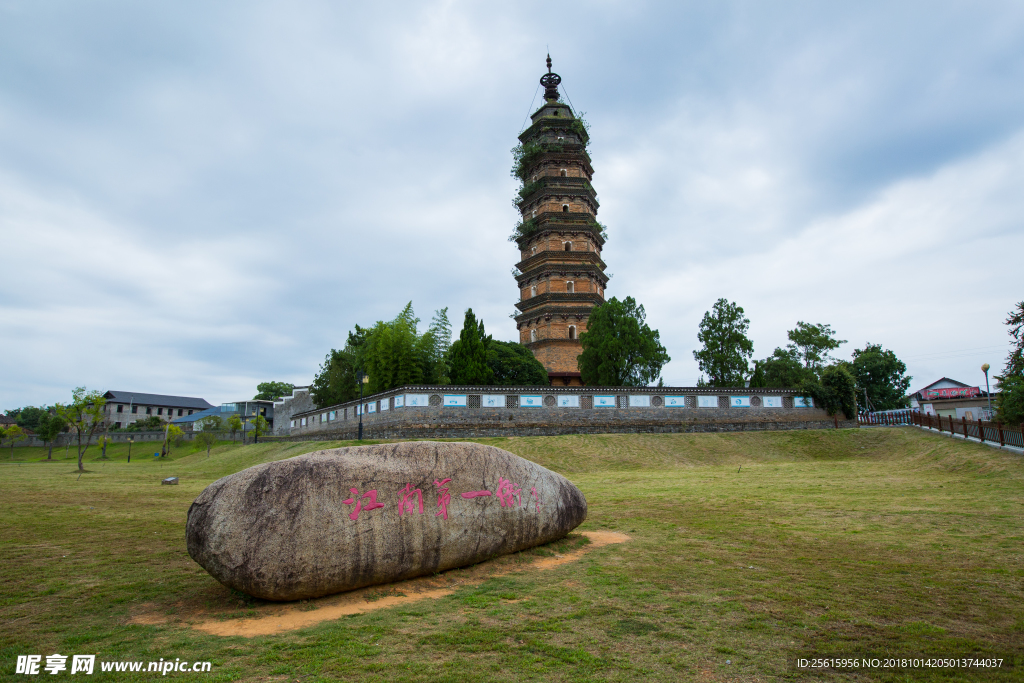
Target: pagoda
{"points": [[560, 275]]}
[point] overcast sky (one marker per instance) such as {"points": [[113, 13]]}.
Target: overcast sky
{"points": [[196, 197]]}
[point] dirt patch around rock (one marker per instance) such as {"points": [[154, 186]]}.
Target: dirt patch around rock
{"points": [[274, 618]]}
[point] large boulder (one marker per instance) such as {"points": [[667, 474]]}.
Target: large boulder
{"points": [[340, 519]]}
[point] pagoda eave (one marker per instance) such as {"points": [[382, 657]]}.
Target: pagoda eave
{"points": [[586, 258]]}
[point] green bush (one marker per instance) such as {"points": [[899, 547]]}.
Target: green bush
{"points": [[1010, 401], [836, 391]]}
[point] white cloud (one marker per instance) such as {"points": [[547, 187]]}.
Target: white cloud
{"points": [[196, 198]]}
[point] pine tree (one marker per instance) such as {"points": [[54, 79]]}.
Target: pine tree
{"points": [[468, 355]]}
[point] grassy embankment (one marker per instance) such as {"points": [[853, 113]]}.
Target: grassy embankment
{"points": [[747, 548]]}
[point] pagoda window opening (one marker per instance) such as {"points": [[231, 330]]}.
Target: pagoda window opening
{"points": [[568, 246], [533, 335], [533, 290], [572, 331], [564, 173], [570, 287], [565, 208]]}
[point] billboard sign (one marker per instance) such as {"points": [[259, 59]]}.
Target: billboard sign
{"points": [[952, 392]]}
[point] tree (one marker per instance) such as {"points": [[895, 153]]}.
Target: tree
{"points": [[882, 374], [392, 353], [28, 417], [84, 417], [149, 423], [782, 369], [205, 432], [468, 355], [812, 343], [11, 434], [172, 434], [210, 423], [619, 348], [727, 350], [393, 358], [1010, 401], [271, 391], [836, 391], [260, 426], [336, 382], [441, 335], [48, 429], [234, 425], [514, 365], [204, 440]]}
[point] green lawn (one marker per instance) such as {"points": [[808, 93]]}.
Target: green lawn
{"points": [[747, 551]]}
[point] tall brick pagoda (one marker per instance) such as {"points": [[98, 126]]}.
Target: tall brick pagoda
{"points": [[561, 274]]}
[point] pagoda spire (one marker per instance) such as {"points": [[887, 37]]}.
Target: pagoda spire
{"points": [[560, 274], [550, 82]]}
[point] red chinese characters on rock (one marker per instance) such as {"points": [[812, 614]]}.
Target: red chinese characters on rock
{"points": [[406, 503], [507, 490], [372, 505], [443, 498], [410, 500]]}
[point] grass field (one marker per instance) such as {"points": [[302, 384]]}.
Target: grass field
{"points": [[746, 551]]}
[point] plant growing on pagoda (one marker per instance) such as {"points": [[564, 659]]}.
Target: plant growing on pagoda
{"points": [[523, 229], [526, 190], [581, 127], [523, 157]]}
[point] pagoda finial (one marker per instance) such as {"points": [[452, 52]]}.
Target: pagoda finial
{"points": [[550, 82]]}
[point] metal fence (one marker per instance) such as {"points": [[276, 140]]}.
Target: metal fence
{"points": [[996, 432], [888, 417]]}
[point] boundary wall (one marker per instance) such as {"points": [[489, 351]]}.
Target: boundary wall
{"points": [[287, 406], [418, 412], [62, 439]]}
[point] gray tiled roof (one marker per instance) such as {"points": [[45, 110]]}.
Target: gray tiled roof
{"points": [[157, 400], [195, 417]]}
